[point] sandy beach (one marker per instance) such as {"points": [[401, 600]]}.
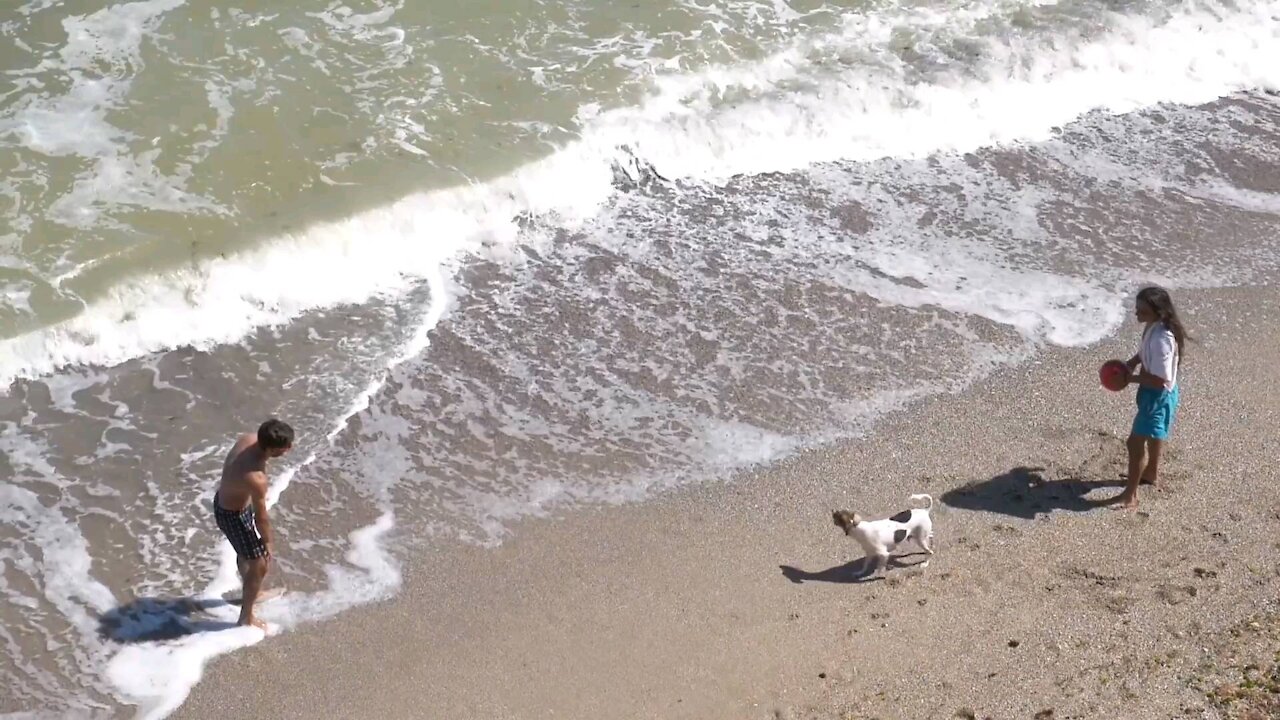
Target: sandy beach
{"points": [[741, 600]]}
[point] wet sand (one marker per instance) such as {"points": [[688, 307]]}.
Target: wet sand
{"points": [[741, 600]]}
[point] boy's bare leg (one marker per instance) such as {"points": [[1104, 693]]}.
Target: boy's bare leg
{"points": [[242, 568], [256, 570]]}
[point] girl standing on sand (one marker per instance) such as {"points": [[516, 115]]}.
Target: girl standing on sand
{"points": [[1158, 355]]}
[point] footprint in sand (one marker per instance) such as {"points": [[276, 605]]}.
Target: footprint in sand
{"points": [[1176, 594], [1106, 581], [1119, 604]]}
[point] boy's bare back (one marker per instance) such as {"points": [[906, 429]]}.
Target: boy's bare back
{"points": [[241, 472]]}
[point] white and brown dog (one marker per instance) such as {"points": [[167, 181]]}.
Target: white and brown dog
{"points": [[880, 537]]}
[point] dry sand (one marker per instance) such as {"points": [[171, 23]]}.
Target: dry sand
{"points": [[737, 600]]}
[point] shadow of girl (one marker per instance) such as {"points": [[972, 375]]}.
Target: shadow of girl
{"points": [[1025, 492]]}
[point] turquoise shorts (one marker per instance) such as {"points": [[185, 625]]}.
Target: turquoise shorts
{"points": [[1156, 410]]}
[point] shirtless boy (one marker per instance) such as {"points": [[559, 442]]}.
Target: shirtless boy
{"points": [[240, 507]]}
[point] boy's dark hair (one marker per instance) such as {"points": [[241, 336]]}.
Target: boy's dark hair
{"points": [[1157, 298], [275, 435]]}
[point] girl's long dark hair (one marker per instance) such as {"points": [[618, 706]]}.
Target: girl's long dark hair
{"points": [[1157, 298]]}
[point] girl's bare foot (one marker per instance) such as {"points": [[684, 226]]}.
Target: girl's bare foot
{"points": [[1125, 501]]}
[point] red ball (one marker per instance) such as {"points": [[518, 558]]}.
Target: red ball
{"points": [[1114, 375]]}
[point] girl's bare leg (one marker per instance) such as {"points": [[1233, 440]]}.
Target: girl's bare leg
{"points": [[1128, 499], [1151, 473]]}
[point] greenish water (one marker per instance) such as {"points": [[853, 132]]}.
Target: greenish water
{"points": [[145, 135]]}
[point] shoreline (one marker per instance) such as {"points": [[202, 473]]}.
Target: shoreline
{"points": [[731, 599]]}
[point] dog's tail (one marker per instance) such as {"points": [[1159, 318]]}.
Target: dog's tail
{"points": [[922, 496]]}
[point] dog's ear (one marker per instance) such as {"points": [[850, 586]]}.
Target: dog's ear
{"points": [[843, 519], [857, 519]]}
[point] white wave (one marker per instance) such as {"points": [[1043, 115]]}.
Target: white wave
{"points": [[386, 250], [791, 109], [852, 96], [158, 676], [1250, 200]]}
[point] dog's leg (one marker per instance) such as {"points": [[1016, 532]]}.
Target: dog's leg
{"points": [[882, 561], [926, 543]]}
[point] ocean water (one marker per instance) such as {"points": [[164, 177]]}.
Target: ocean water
{"points": [[496, 260]]}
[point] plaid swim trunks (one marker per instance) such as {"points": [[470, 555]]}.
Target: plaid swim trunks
{"points": [[241, 530]]}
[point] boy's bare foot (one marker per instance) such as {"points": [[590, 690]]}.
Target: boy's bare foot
{"points": [[256, 622]]}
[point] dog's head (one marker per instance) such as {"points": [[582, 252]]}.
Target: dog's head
{"points": [[846, 520]]}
